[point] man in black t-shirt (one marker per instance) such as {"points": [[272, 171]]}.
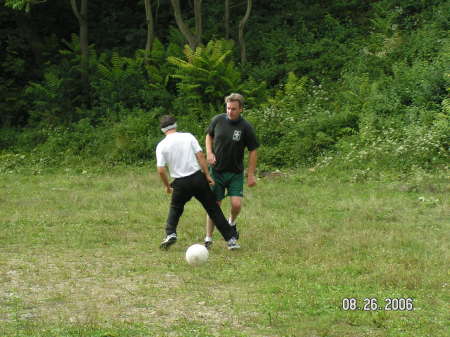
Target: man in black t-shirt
{"points": [[226, 139]]}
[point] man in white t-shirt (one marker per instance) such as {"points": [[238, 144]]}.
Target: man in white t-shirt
{"points": [[182, 154]]}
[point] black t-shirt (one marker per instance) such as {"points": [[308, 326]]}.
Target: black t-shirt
{"points": [[230, 140]]}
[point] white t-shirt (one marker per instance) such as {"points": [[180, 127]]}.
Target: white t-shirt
{"points": [[177, 151]]}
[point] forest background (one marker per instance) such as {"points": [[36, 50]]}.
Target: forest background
{"points": [[349, 84]]}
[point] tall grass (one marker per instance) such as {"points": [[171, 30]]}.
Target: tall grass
{"points": [[79, 257]]}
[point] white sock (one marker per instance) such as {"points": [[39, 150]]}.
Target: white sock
{"points": [[232, 223], [208, 238]]}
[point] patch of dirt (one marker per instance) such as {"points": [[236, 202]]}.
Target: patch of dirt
{"points": [[62, 289]]}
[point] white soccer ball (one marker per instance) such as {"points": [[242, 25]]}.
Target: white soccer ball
{"points": [[196, 254]]}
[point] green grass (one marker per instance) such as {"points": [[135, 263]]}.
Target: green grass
{"points": [[79, 257]]}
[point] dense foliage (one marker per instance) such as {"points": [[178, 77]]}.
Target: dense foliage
{"points": [[361, 84]]}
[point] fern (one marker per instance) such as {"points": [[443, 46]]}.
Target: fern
{"points": [[116, 62], [104, 71], [446, 105], [205, 76]]}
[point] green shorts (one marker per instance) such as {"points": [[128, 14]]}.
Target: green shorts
{"points": [[232, 183]]}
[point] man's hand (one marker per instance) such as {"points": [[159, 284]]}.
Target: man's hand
{"points": [[251, 181], [163, 175], [211, 158], [211, 181]]}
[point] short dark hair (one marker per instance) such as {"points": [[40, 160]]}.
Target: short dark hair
{"points": [[166, 120]]}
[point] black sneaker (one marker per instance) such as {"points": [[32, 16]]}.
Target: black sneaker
{"points": [[168, 241]]}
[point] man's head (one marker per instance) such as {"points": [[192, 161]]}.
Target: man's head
{"points": [[235, 104], [167, 122]]}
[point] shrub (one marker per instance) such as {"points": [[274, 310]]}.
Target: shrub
{"points": [[8, 138], [124, 83], [58, 98], [416, 146], [131, 140], [297, 125]]}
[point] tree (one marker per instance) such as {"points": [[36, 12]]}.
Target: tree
{"points": [[150, 27], [81, 15], [242, 24], [193, 39], [227, 19]]}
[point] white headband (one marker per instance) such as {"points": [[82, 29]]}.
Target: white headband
{"points": [[169, 127]]}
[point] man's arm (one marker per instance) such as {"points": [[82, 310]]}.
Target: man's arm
{"points": [[163, 175], [210, 156], [252, 158], [204, 166]]}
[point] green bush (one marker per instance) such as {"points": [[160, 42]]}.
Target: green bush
{"points": [[58, 98], [402, 148], [131, 140], [125, 83], [120, 82], [297, 125], [8, 138], [117, 84]]}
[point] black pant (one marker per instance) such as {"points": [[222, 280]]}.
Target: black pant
{"points": [[196, 186]]}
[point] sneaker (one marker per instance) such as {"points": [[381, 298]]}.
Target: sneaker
{"points": [[168, 241], [208, 244], [232, 244]]}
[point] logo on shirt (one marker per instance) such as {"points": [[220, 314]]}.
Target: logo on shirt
{"points": [[237, 135]]}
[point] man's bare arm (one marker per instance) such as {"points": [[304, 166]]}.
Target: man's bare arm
{"points": [[252, 158], [163, 175], [210, 156], [204, 166]]}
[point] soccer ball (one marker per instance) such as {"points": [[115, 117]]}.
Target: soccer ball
{"points": [[196, 254]]}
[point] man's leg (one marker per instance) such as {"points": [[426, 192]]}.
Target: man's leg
{"points": [[236, 193], [177, 203], [219, 191], [216, 215], [236, 206], [207, 198], [179, 198], [210, 224]]}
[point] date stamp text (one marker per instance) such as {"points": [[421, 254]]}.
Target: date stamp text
{"points": [[373, 304]]}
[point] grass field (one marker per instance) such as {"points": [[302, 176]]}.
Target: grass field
{"points": [[79, 256]]}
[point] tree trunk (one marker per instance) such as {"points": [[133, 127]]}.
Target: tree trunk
{"points": [[227, 19], [193, 40], [241, 32], [198, 20], [150, 28], [81, 15]]}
